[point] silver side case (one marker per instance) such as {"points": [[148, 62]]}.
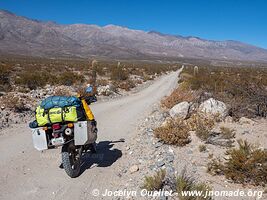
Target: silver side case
{"points": [[83, 133], [39, 139]]}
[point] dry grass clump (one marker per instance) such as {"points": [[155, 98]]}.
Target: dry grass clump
{"points": [[227, 133], [202, 125], [246, 165], [202, 148], [102, 82], [175, 132], [186, 183], [180, 94], [69, 78], [119, 73], [156, 182], [125, 85]]}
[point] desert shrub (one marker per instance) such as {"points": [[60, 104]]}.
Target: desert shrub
{"points": [[175, 132], [148, 77], [69, 78], [180, 94], [185, 183], [5, 72], [203, 126], [215, 166], [119, 73], [156, 182], [32, 80], [102, 82], [126, 85], [227, 133], [246, 164], [202, 148]]}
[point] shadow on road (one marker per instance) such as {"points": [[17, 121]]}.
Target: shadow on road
{"points": [[104, 157]]}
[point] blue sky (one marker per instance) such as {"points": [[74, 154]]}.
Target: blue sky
{"points": [[241, 20]]}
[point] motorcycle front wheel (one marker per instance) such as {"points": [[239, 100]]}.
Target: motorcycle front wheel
{"points": [[71, 159]]}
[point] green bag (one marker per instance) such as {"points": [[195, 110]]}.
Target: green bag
{"points": [[41, 116], [57, 115], [70, 114]]}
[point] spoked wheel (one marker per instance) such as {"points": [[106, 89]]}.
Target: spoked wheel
{"points": [[71, 159]]}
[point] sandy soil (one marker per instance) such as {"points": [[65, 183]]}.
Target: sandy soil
{"points": [[26, 173]]}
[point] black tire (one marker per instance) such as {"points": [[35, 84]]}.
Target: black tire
{"points": [[71, 159]]}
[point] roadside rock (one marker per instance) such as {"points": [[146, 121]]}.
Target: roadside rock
{"points": [[244, 120], [180, 110], [133, 169], [106, 90], [213, 107]]}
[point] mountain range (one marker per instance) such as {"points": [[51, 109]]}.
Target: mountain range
{"points": [[23, 36]]}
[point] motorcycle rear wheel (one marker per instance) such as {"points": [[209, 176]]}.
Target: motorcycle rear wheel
{"points": [[71, 159]]}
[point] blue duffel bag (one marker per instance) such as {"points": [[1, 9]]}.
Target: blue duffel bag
{"points": [[60, 102]]}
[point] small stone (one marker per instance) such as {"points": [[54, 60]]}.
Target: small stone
{"points": [[133, 169], [245, 132], [189, 151], [127, 148], [158, 144], [169, 158], [160, 163]]}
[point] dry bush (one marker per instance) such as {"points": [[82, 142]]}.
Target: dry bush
{"points": [[126, 85], [202, 125], [5, 72], [180, 94], [148, 77], [215, 166], [119, 73], [246, 165], [184, 183], [202, 148], [156, 182], [69, 78], [175, 132], [227, 133], [102, 82], [32, 80]]}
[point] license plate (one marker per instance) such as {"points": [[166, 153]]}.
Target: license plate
{"points": [[57, 141]]}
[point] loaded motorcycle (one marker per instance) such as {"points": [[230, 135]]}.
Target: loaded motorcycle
{"points": [[75, 137]]}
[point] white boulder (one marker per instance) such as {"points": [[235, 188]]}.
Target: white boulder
{"points": [[214, 107], [180, 110], [244, 120]]}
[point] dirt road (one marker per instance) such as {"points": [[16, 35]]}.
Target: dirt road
{"points": [[26, 173]]}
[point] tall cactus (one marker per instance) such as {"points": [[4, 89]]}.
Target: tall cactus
{"points": [[92, 74], [195, 70]]}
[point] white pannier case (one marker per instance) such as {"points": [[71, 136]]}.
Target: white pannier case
{"points": [[39, 139], [84, 133]]}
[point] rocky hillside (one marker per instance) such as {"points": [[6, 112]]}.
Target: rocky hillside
{"points": [[23, 36]]}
